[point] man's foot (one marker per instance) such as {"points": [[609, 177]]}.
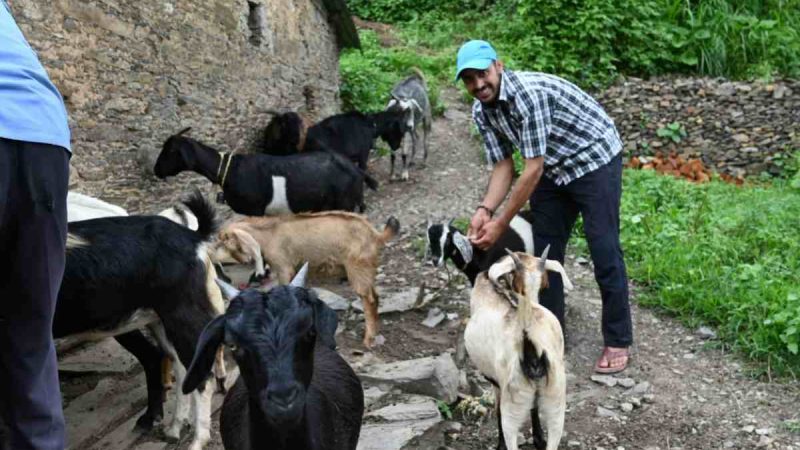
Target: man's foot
{"points": [[613, 360]]}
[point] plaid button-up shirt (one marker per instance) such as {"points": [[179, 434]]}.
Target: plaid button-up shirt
{"points": [[544, 115]]}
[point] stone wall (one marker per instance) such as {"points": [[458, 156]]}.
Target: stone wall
{"points": [[135, 71]]}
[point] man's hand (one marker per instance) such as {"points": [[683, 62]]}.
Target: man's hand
{"points": [[479, 219], [489, 234]]}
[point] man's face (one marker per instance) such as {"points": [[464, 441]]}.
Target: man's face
{"points": [[484, 85]]}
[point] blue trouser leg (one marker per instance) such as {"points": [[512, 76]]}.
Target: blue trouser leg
{"points": [[554, 216], [33, 189], [596, 196]]}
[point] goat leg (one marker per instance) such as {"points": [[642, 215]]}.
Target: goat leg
{"points": [[391, 171], [501, 442], [538, 433], [149, 356]]}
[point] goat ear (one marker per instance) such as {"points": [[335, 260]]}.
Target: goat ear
{"points": [[463, 245], [228, 291], [392, 102], [518, 283], [250, 246], [555, 266], [416, 106], [299, 280], [204, 354], [326, 322]]}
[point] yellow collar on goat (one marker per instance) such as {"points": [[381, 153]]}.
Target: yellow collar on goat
{"points": [[227, 166]]}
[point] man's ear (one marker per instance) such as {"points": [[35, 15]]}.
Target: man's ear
{"points": [[498, 65]]}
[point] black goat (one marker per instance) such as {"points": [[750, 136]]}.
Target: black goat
{"points": [[351, 134], [295, 392], [256, 185], [286, 135], [447, 242], [123, 273]]}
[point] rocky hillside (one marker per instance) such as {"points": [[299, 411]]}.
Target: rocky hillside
{"points": [[735, 127]]}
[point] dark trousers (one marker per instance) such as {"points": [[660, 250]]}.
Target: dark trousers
{"points": [[596, 196], [33, 228]]}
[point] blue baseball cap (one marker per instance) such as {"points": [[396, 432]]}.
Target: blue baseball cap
{"points": [[475, 54]]}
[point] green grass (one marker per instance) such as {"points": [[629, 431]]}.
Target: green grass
{"points": [[720, 255]]}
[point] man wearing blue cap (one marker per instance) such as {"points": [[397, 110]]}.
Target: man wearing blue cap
{"points": [[34, 158], [573, 165]]}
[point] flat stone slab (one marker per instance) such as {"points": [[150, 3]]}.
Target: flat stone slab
{"points": [[393, 435], [105, 356], [372, 395], [393, 301], [335, 301], [432, 376], [408, 407]]}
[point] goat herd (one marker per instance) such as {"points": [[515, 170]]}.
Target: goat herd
{"points": [[127, 273]]}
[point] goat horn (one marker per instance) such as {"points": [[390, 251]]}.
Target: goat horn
{"points": [[515, 258], [450, 224], [543, 258], [228, 291], [183, 131], [299, 280]]}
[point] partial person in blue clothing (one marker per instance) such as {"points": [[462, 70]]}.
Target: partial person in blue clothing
{"points": [[573, 165], [34, 171]]}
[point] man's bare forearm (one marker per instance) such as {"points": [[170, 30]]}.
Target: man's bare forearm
{"points": [[499, 184]]}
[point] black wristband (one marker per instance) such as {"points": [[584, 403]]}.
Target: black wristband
{"points": [[491, 213]]}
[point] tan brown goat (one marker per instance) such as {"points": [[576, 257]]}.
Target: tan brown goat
{"points": [[334, 243]]}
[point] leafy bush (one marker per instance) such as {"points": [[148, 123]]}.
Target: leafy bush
{"points": [[368, 74], [592, 41]]}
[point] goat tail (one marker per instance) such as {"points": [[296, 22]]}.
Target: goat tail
{"points": [[418, 72], [75, 241], [207, 223], [390, 230]]}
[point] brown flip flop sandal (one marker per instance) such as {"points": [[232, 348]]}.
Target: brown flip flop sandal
{"points": [[610, 355]]}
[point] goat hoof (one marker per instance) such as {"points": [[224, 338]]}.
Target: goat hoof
{"points": [[404, 177], [172, 434], [221, 386]]}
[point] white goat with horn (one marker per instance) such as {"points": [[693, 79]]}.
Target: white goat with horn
{"points": [[518, 346]]}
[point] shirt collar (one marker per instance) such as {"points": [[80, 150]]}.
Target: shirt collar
{"points": [[507, 90]]}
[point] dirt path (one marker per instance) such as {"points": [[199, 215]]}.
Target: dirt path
{"points": [[683, 392], [687, 394]]}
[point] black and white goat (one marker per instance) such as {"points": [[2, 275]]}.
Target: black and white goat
{"points": [[447, 242], [518, 346], [125, 273], [295, 392], [257, 185]]}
